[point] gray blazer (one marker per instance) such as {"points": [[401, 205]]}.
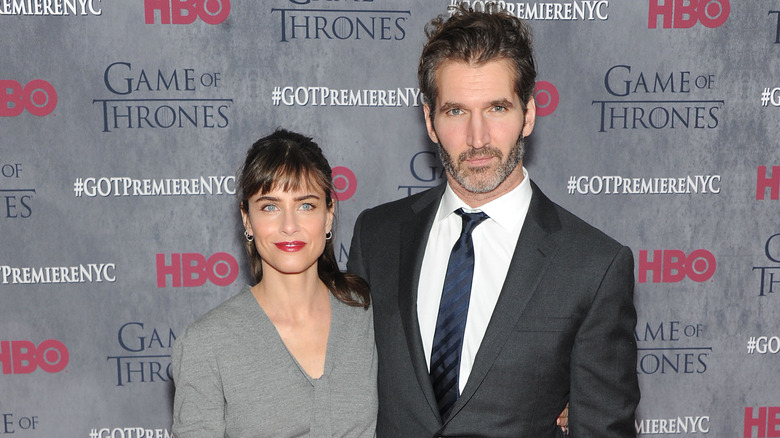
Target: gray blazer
{"points": [[562, 330]]}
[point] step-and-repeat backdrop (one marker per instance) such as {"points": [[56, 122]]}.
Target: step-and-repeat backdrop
{"points": [[122, 125]]}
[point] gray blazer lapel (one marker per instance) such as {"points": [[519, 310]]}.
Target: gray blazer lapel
{"points": [[415, 230], [535, 248]]}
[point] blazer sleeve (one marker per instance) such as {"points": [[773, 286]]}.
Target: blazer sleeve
{"points": [[604, 385], [199, 401], [355, 262]]}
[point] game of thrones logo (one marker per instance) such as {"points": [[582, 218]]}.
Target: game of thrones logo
{"points": [[348, 21], [161, 99]]}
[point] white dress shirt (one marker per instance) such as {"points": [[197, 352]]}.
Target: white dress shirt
{"points": [[494, 244]]}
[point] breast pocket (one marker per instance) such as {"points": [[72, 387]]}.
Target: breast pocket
{"points": [[545, 324], [548, 340]]}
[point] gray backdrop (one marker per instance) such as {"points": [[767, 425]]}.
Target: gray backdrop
{"points": [[122, 124]]}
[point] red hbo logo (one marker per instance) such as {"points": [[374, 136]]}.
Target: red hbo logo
{"points": [[546, 98], [764, 182], [23, 357], [38, 97], [344, 183], [187, 11], [766, 422], [683, 14], [673, 265], [193, 269]]}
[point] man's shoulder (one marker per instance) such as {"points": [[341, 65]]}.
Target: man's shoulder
{"points": [[585, 232], [402, 207], [577, 230]]}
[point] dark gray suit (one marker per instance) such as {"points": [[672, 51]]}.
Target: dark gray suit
{"points": [[562, 329]]}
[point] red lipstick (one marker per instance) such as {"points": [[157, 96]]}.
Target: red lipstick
{"points": [[290, 246]]}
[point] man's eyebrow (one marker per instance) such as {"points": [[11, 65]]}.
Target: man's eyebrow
{"points": [[445, 106], [449, 105], [502, 102]]}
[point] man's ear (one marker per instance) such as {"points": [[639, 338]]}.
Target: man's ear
{"points": [[429, 124], [530, 117]]}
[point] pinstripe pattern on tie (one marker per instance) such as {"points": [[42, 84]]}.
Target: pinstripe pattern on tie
{"points": [[451, 320]]}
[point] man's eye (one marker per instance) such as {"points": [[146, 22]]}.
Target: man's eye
{"points": [[455, 112]]}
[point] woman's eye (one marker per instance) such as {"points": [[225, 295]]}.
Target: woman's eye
{"points": [[307, 206], [268, 207]]}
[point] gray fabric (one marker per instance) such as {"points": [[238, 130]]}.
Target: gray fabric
{"points": [[235, 378], [562, 329]]}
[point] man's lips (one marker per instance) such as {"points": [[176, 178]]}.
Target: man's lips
{"points": [[480, 158], [290, 246], [479, 161]]}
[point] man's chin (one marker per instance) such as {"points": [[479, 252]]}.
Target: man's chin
{"points": [[478, 185], [477, 172]]}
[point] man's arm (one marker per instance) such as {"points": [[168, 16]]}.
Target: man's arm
{"points": [[355, 263], [563, 421], [604, 387]]}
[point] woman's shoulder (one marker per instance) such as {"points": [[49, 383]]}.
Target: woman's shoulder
{"points": [[225, 317], [353, 316]]}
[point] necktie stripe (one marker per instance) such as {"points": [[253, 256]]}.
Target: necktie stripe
{"points": [[454, 307], [446, 348], [451, 320]]}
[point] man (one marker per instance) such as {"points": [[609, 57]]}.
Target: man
{"points": [[548, 317]]}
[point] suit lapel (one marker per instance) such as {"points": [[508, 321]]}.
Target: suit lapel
{"points": [[415, 230], [535, 248]]}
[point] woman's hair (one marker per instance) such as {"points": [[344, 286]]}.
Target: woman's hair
{"points": [[290, 161]]}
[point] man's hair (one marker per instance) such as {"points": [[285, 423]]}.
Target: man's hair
{"points": [[476, 37]]}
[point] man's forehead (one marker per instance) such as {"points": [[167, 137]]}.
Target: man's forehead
{"points": [[503, 63], [459, 82]]}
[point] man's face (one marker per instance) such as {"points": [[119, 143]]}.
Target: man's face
{"points": [[479, 125]]}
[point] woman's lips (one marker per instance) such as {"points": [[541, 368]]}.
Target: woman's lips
{"points": [[290, 246]]}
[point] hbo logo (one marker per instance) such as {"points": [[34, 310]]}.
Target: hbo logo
{"points": [[186, 11], [673, 265], [193, 269], [23, 357], [38, 97], [683, 14]]}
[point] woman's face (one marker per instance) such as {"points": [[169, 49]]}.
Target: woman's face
{"points": [[289, 228]]}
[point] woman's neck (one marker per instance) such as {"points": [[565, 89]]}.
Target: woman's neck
{"points": [[293, 296]]}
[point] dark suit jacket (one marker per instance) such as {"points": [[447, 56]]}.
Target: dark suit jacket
{"points": [[562, 330]]}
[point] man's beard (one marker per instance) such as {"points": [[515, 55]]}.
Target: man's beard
{"points": [[482, 179]]}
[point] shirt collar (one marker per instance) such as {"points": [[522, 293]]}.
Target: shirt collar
{"points": [[508, 210]]}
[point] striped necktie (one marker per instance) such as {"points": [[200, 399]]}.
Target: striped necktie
{"points": [[451, 321]]}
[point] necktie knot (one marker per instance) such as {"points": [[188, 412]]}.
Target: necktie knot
{"points": [[470, 220]]}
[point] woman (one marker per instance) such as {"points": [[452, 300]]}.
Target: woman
{"points": [[293, 355]]}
